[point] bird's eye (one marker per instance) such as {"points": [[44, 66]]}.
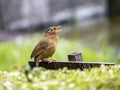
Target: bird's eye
{"points": [[51, 30]]}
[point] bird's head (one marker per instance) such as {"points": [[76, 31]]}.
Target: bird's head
{"points": [[53, 30]]}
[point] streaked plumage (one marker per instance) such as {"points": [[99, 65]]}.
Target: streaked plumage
{"points": [[47, 46]]}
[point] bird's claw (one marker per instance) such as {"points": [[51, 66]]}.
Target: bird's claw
{"points": [[37, 62], [49, 60]]}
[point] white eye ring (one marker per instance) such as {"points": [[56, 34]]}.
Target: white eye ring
{"points": [[51, 30]]}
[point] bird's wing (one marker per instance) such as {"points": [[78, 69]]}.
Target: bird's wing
{"points": [[39, 48]]}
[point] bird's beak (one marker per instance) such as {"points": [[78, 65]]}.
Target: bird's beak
{"points": [[58, 29], [58, 26]]}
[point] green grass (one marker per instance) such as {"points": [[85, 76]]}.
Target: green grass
{"points": [[103, 78]]}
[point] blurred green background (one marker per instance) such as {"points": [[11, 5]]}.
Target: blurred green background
{"points": [[16, 53]]}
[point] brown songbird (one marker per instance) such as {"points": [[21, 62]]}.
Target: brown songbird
{"points": [[47, 45]]}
